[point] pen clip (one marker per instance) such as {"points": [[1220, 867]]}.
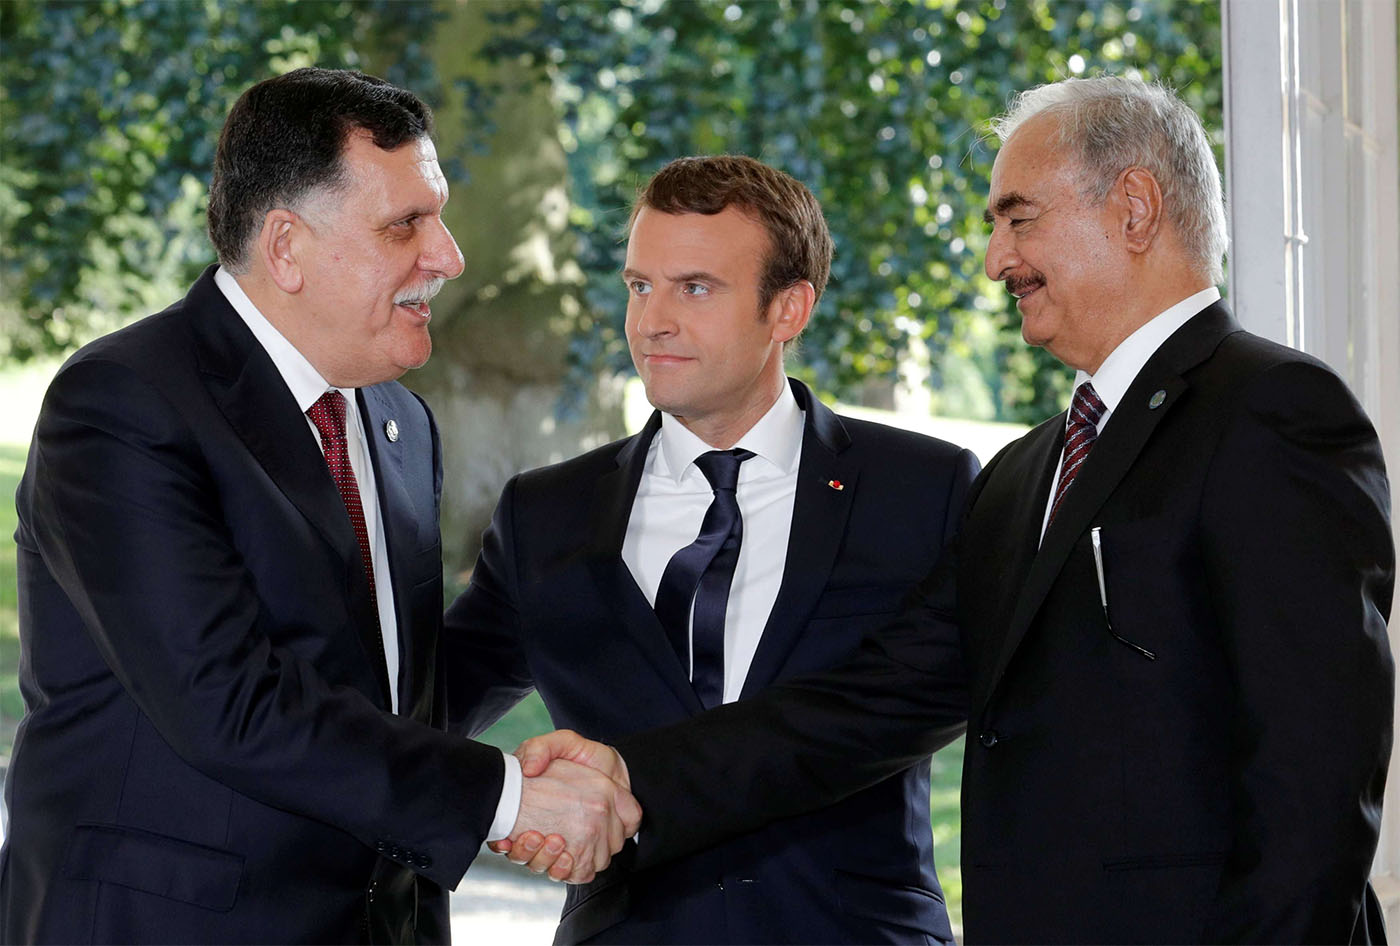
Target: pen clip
{"points": [[1096, 539]]}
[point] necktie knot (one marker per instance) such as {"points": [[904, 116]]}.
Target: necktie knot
{"points": [[721, 467], [1086, 408], [328, 414]]}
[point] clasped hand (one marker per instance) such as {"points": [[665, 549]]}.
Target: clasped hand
{"points": [[576, 807]]}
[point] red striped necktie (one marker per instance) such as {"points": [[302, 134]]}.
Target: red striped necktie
{"points": [[1084, 413]]}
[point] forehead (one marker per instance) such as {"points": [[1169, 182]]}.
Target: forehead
{"points": [[1031, 163], [408, 173], [693, 241]]}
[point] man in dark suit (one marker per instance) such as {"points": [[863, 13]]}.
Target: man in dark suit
{"points": [[835, 520], [230, 584], [1170, 603]]}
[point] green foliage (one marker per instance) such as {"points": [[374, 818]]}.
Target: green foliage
{"points": [[880, 108], [108, 123]]}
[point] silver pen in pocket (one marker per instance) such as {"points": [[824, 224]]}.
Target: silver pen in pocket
{"points": [[1096, 540]]}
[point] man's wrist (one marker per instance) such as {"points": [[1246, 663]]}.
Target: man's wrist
{"points": [[508, 808]]}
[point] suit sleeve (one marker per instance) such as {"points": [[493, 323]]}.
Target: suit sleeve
{"points": [[127, 516], [487, 667], [1300, 568], [810, 742]]}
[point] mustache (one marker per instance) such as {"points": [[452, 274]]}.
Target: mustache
{"points": [[1019, 286], [419, 294]]}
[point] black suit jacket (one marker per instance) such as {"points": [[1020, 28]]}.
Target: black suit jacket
{"points": [[1227, 790], [552, 605], [207, 753]]}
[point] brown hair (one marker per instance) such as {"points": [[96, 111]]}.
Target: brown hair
{"points": [[800, 246]]}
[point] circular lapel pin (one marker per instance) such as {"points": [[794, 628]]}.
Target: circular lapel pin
{"points": [[391, 430], [1156, 400]]}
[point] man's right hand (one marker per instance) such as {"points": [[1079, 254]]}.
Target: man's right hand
{"points": [[536, 754]]}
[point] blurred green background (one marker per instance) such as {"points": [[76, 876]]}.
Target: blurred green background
{"points": [[550, 115]]}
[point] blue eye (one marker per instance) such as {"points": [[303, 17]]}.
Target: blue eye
{"points": [[695, 289]]}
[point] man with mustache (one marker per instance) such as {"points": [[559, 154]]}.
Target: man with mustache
{"points": [[746, 535], [1169, 604], [230, 581]]}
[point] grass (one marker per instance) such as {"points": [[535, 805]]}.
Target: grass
{"points": [[11, 706]]}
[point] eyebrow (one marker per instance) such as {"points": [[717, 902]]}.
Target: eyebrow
{"points": [[403, 213], [1004, 203], [698, 275]]}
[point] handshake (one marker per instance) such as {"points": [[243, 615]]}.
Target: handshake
{"points": [[576, 807]]}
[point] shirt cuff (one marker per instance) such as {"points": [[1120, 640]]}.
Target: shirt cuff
{"points": [[508, 809]]}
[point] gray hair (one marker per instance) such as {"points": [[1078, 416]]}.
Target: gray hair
{"points": [[1115, 123]]}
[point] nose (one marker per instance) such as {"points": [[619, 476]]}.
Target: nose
{"points": [[1001, 256], [653, 316], [440, 255]]}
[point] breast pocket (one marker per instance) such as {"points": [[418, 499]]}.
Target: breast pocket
{"points": [[1153, 585]]}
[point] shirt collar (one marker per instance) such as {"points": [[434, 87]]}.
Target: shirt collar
{"points": [[304, 381], [776, 438], [1122, 365]]}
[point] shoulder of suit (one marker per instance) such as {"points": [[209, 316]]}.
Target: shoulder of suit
{"points": [[158, 349], [1247, 353], [570, 474]]}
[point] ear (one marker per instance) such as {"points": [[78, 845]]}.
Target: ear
{"points": [[277, 245], [790, 309], [1142, 201]]}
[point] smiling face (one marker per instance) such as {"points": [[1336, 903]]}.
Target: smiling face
{"points": [[372, 254], [1059, 253], [705, 351]]}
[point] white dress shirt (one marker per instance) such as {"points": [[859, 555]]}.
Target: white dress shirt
{"points": [[670, 505], [307, 386], [1120, 369]]}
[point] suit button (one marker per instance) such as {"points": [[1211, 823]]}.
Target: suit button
{"points": [[989, 738], [381, 847], [424, 861]]}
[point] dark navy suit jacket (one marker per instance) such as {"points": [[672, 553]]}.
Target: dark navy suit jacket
{"points": [[552, 605], [207, 753]]}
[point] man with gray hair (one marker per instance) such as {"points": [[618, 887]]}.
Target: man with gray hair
{"points": [[1169, 602]]}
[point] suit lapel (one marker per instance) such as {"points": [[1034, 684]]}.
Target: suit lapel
{"points": [[252, 396], [613, 495], [396, 510], [1129, 429], [819, 515]]}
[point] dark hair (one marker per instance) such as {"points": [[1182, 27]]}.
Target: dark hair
{"points": [[285, 137], [800, 245]]}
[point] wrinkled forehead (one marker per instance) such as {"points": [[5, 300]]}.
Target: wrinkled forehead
{"points": [[1031, 160]]}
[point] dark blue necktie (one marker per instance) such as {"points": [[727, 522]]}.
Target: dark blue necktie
{"points": [[702, 573]]}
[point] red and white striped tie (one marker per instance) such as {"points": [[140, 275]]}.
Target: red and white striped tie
{"points": [[1084, 413]]}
